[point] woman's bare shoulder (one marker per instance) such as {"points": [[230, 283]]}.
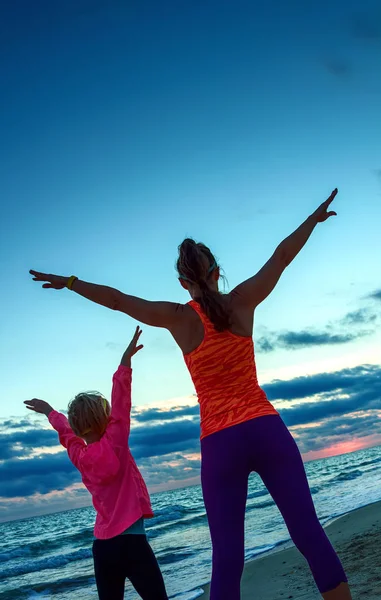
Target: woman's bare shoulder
{"points": [[242, 317]]}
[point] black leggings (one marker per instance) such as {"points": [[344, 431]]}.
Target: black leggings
{"points": [[127, 557]]}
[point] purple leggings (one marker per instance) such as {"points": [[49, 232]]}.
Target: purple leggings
{"points": [[229, 456]]}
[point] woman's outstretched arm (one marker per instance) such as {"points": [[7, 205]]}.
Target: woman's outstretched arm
{"points": [[253, 291], [157, 314]]}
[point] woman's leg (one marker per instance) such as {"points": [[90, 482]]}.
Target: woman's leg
{"points": [[224, 476], [143, 570], [109, 571], [281, 468]]}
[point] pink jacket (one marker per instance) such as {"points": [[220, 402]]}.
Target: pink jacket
{"points": [[108, 470]]}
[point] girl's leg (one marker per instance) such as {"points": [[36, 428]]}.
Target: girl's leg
{"points": [[224, 476], [109, 572], [281, 468], [143, 570]]}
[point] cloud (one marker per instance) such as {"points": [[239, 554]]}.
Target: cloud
{"points": [[158, 440], [338, 67], [322, 409], [174, 468], [375, 295], [337, 431], [42, 474], [366, 26], [163, 414], [116, 346], [306, 338], [364, 378], [362, 316], [24, 442], [15, 424], [294, 340]]}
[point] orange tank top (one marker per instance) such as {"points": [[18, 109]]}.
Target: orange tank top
{"points": [[224, 374]]}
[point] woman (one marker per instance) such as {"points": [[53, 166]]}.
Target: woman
{"points": [[241, 431]]}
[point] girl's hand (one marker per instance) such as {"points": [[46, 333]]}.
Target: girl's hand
{"points": [[133, 348], [39, 406], [54, 281], [322, 214]]}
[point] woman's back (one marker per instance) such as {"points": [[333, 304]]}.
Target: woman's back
{"points": [[223, 371]]}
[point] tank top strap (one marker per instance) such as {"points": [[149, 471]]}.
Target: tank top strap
{"points": [[208, 325]]}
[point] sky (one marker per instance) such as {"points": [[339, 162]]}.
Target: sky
{"points": [[126, 127]]}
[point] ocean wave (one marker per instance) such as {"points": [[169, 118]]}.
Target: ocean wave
{"points": [[258, 550], [154, 532], [83, 537], [52, 562], [49, 589], [44, 546], [369, 462], [174, 555], [19, 552], [31, 550], [259, 505], [347, 475], [257, 494], [171, 513], [191, 595]]}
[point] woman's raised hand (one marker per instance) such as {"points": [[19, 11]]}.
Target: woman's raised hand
{"points": [[53, 281], [322, 214]]}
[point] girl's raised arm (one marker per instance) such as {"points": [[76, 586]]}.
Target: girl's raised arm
{"points": [[157, 314], [253, 291]]}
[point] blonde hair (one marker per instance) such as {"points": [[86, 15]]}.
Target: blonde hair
{"points": [[89, 411]]}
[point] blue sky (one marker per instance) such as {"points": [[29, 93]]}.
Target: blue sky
{"points": [[127, 127]]}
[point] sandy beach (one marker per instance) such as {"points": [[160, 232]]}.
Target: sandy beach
{"points": [[356, 537]]}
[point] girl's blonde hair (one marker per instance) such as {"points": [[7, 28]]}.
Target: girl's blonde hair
{"points": [[88, 411]]}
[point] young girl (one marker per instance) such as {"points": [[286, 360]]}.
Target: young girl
{"points": [[241, 431], [96, 439]]}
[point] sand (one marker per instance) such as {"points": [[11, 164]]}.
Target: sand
{"points": [[284, 574]]}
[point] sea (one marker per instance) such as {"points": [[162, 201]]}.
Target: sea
{"points": [[50, 556]]}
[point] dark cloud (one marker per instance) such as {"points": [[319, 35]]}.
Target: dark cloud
{"points": [[156, 414], [375, 295], [315, 411], [363, 316], [116, 346], [302, 339], [340, 405], [156, 471], [265, 345], [293, 340], [367, 26], [16, 424], [23, 442], [362, 378], [340, 68], [25, 477], [158, 440], [338, 430]]}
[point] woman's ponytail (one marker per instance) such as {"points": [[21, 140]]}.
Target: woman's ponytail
{"points": [[196, 264]]}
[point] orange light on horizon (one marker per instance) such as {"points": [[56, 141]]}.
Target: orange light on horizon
{"points": [[344, 447]]}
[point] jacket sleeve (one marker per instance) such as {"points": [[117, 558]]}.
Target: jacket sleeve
{"points": [[98, 461], [121, 395]]}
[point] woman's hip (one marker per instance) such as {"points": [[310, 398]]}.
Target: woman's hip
{"points": [[243, 446]]}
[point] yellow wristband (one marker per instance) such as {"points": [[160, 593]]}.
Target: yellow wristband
{"points": [[70, 282]]}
